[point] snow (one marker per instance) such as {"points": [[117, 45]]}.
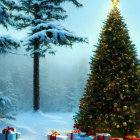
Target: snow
{"points": [[37, 125]]}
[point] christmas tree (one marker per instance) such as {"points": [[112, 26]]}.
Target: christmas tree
{"points": [[111, 102]]}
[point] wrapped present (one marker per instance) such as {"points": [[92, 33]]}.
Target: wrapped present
{"points": [[81, 134], [102, 136], [90, 133], [18, 135], [73, 134], [8, 134], [116, 138], [84, 138], [129, 137], [53, 135]]}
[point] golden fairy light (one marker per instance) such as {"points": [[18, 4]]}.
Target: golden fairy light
{"points": [[115, 2]]}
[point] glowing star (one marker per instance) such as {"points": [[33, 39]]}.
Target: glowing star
{"points": [[115, 2]]}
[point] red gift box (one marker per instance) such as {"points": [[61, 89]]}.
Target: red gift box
{"points": [[90, 133], [116, 139], [129, 137]]}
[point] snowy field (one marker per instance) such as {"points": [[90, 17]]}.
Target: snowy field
{"points": [[36, 126]]}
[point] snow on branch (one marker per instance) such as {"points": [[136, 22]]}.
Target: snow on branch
{"points": [[7, 43]]}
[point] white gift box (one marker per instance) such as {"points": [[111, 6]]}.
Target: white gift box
{"points": [[106, 135]]}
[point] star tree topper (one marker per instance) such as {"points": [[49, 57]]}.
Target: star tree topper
{"points": [[115, 2]]}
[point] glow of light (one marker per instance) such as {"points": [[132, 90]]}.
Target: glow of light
{"points": [[115, 2]]}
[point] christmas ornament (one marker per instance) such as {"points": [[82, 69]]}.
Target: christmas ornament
{"points": [[117, 126], [113, 55], [109, 29], [114, 38], [124, 108], [124, 124]]}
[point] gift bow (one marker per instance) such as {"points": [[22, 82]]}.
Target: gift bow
{"points": [[54, 133], [6, 131], [78, 131]]}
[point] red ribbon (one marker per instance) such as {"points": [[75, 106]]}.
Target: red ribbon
{"points": [[52, 137], [6, 131], [71, 138]]}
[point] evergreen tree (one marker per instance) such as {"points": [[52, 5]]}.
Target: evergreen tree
{"points": [[111, 102], [41, 17], [6, 42]]}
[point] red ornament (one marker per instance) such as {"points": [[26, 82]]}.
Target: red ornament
{"points": [[112, 90], [80, 99], [111, 18], [105, 31], [75, 121], [113, 55], [128, 37], [80, 123], [139, 126], [94, 103], [136, 63], [125, 24], [99, 130], [96, 70], [131, 99], [100, 59], [79, 106], [73, 126], [128, 129], [104, 41], [101, 86], [120, 19], [114, 109], [85, 88]]}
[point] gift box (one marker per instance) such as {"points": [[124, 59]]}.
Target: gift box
{"points": [[90, 133], [103, 136], [129, 137], [8, 134], [84, 138], [82, 134], [53, 135], [73, 134], [139, 135], [116, 138]]}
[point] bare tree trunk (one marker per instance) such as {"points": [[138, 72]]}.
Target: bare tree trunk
{"points": [[36, 78], [36, 98]]}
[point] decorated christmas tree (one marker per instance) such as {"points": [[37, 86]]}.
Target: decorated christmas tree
{"points": [[111, 102]]}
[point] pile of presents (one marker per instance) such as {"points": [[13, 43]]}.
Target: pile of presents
{"points": [[78, 135], [10, 134]]}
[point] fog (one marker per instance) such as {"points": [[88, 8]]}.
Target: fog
{"points": [[64, 75]]}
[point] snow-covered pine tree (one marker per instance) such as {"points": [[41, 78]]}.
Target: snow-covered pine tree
{"points": [[41, 17], [6, 42]]}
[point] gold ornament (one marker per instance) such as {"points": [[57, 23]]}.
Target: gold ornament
{"points": [[118, 109], [114, 47], [121, 72], [124, 108], [110, 29], [90, 116], [114, 38], [130, 121], [114, 123], [124, 124], [119, 58], [115, 104], [117, 126]]}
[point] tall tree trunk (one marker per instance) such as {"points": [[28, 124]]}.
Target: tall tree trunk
{"points": [[36, 99], [36, 78]]}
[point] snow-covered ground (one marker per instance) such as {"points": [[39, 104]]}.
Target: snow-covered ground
{"points": [[36, 126]]}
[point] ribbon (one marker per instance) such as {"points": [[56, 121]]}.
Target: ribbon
{"points": [[6, 131], [54, 133]]}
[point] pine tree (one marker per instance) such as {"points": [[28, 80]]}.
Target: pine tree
{"points": [[6, 42], [42, 18], [111, 102]]}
